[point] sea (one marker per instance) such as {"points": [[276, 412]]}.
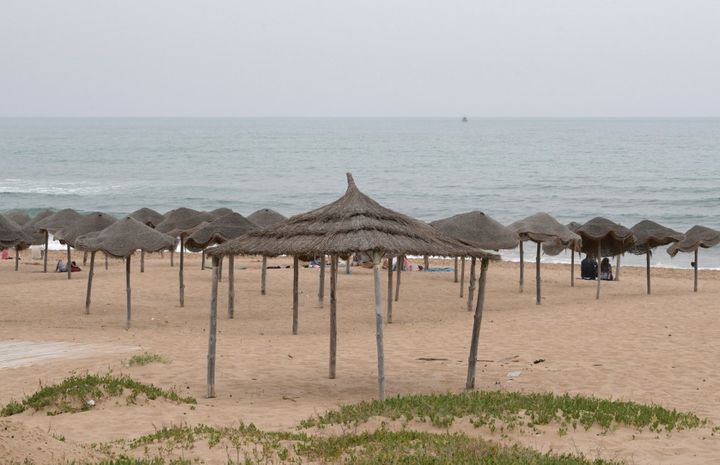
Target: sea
{"points": [[625, 169]]}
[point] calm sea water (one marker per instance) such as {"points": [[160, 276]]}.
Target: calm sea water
{"points": [[667, 170]]}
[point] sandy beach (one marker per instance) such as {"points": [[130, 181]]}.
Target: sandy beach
{"points": [[659, 349]]}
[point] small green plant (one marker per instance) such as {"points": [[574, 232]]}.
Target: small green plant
{"points": [[146, 358], [485, 408], [79, 393]]}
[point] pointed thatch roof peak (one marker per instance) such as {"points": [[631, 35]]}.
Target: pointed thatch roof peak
{"points": [[352, 223], [266, 217], [649, 234], [541, 227], [38, 236], [478, 228], [58, 220], [19, 217], [220, 212], [614, 238], [96, 221], [697, 236], [12, 235], [220, 230], [182, 221], [124, 237], [147, 216]]}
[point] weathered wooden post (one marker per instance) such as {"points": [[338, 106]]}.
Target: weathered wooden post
{"points": [[69, 261], [390, 290], [462, 276], [321, 287], [202, 262], [182, 260], [333, 316], [89, 286], [537, 276], [127, 285], [45, 252], [85, 258], [471, 290], [231, 286], [647, 271], [142, 261], [455, 270], [598, 259], [572, 268], [426, 263], [379, 326], [106, 261], [616, 275], [212, 331], [296, 297], [347, 264], [522, 267], [477, 321], [695, 288], [17, 257], [401, 264], [263, 275]]}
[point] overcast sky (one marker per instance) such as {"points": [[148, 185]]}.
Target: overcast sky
{"points": [[360, 58]]}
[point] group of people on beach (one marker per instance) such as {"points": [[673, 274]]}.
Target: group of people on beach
{"points": [[589, 269]]}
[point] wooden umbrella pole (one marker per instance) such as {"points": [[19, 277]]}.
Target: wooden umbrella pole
{"points": [[127, 286], [400, 265], [231, 286], [212, 331], [647, 269], [462, 276], [379, 327], [17, 257], [89, 286], [471, 290], [142, 261], [84, 258], [106, 261], [477, 321], [347, 264], [263, 275], [202, 262], [572, 268], [537, 276], [617, 268], [522, 267], [296, 302], [321, 285], [390, 290], [696, 271], [220, 267], [69, 259], [333, 316], [597, 295], [172, 257], [455, 270], [426, 262], [180, 273], [45, 252]]}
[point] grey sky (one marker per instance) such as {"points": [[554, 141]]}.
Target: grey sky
{"points": [[360, 58]]}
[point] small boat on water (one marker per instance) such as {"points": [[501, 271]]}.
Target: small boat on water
{"points": [[464, 120]]}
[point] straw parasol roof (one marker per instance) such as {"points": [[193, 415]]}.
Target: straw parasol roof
{"points": [[12, 235], [696, 237], [148, 216], [219, 212], [58, 220], [541, 227], [38, 237], [353, 223], [613, 238], [553, 248], [220, 230], [123, 238], [95, 221], [18, 217], [649, 234], [266, 217], [479, 229], [181, 221]]}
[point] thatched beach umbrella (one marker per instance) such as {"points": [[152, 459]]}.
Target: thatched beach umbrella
{"points": [[220, 212], [353, 223], [649, 235], [218, 231], [481, 230], [13, 236], [601, 236], [96, 221], [53, 223], [38, 237], [121, 239], [148, 217], [263, 218], [19, 217], [696, 237], [180, 223], [553, 248], [541, 228]]}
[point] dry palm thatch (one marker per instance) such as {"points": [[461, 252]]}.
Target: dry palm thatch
{"points": [[19, 217], [38, 237], [695, 238], [147, 216], [13, 236], [648, 235], [353, 223], [53, 223], [181, 222], [266, 217], [220, 230], [553, 248], [121, 239], [96, 221], [220, 212], [601, 236], [543, 228]]}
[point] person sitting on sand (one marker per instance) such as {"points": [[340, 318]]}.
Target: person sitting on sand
{"points": [[606, 270], [588, 268], [74, 267], [60, 267]]}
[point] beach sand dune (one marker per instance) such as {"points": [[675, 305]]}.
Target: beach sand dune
{"points": [[659, 349]]}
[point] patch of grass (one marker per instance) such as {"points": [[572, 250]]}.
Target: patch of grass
{"points": [[146, 358], [73, 394], [254, 446], [512, 409]]}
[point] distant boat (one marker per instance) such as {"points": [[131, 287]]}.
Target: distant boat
{"points": [[464, 120]]}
